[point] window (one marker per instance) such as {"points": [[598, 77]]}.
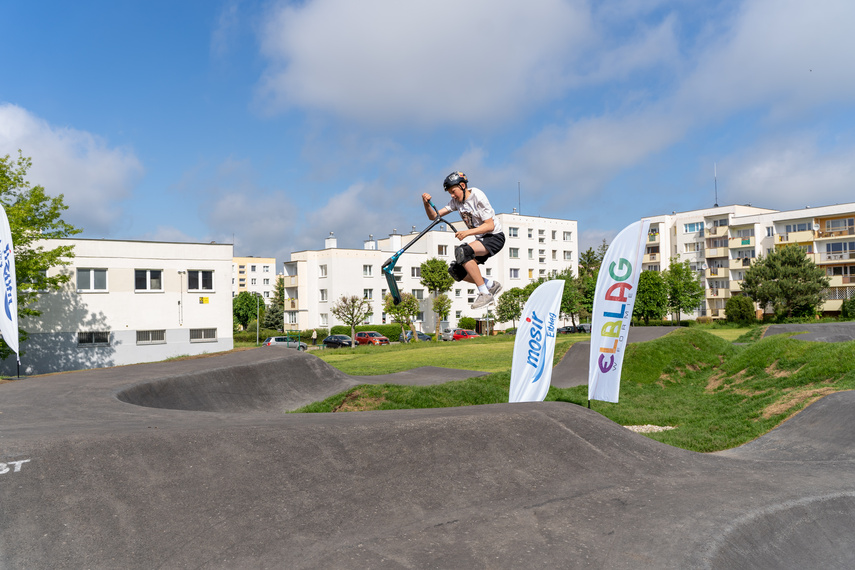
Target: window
{"points": [[267, 281], [800, 227], [91, 279], [745, 233], [769, 231], [200, 280], [442, 250], [148, 280], [470, 293], [531, 273], [252, 281], [457, 293], [568, 236], [93, 338], [322, 270], [836, 225], [691, 247], [554, 234], [515, 273], [151, 337], [488, 272], [458, 314], [419, 294], [265, 268], [368, 294], [242, 269], [693, 227], [291, 317], [203, 335], [554, 255], [415, 272], [366, 270], [568, 256], [323, 295], [325, 319], [531, 254], [513, 232], [514, 252], [530, 233]]}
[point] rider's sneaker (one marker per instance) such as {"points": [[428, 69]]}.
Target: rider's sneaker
{"points": [[495, 288], [482, 299]]}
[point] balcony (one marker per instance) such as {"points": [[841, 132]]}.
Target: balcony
{"points": [[796, 237], [653, 237], [741, 242], [292, 304], [650, 258], [825, 257], [835, 233], [718, 293], [717, 252], [841, 280], [290, 280], [740, 263], [719, 272], [735, 285]]}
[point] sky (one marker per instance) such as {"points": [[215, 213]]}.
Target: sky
{"points": [[270, 124]]}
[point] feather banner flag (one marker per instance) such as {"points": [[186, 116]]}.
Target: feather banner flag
{"points": [[9, 311], [614, 298], [534, 345]]}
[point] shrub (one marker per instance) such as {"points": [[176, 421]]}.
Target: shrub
{"points": [[847, 310], [739, 309], [467, 323]]}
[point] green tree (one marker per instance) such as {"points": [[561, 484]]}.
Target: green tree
{"points": [[651, 300], [788, 281], [435, 276], [246, 307], [274, 318], [739, 309], [33, 217], [572, 298], [468, 323], [589, 263], [279, 293], [510, 305], [404, 312], [685, 291], [351, 311], [442, 307]]}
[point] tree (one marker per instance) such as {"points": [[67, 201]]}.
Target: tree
{"points": [[788, 281], [274, 318], [510, 305], [33, 216], [651, 299], [436, 278], [351, 311], [571, 298], [442, 307], [279, 293], [589, 263], [739, 309], [404, 312], [246, 307], [685, 291]]}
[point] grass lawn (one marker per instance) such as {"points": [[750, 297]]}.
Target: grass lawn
{"points": [[716, 394]]}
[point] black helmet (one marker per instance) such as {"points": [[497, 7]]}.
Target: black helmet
{"points": [[454, 179]]}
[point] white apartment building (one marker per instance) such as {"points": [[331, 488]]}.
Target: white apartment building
{"points": [[129, 302], [314, 280], [254, 274], [722, 242]]}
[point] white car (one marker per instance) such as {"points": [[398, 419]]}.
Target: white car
{"points": [[447, 334]]}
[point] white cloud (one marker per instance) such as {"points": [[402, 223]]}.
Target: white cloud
{"points": [[420, 62], [93, 177], [791, 173]]}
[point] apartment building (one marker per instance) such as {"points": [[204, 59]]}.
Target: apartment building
{"points": [[721, 243], [314, 280], [254, 274], [129, 302]]}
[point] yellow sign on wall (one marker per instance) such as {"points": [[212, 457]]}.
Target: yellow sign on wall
{"points": [[203, 300]]}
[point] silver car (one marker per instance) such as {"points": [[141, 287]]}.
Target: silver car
{"points": [[285, 341], [447, 334]]}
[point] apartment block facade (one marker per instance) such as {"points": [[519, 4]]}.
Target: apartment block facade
{"points": [[129, 302], [722, 243], [315, 280], [254, 274]]}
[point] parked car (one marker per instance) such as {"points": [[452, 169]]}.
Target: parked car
{"points": [[447, 334], [290, 342], [371, 337], [566, 330], [584, 328], [337, 341], [421, 336], [460, 334]]}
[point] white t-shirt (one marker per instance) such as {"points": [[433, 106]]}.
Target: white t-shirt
{"points": [[476, 210]]}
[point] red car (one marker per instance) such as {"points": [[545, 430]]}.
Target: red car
{"points": [[463, 333], [371, 337]]}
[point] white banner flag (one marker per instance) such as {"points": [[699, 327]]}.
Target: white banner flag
{"points": [[9, 312], [614, 299], [534, 346]]}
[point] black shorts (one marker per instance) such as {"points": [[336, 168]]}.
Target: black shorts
{"points": [[493, 243]]}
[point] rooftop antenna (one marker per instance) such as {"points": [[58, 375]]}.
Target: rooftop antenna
{"points": [[715, 181]]}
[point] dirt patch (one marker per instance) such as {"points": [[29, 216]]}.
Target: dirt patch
{"points": [[715, 381], [775, 372], [356, 402], [801, 397]]}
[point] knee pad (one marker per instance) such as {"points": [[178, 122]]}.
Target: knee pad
{"points": [[463, 253], [457, 271]]}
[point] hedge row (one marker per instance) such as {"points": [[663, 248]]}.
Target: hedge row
{"points": [[305, 336], [392, 331]]}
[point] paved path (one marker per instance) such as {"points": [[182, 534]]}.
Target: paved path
{"points": [[193, 464]]}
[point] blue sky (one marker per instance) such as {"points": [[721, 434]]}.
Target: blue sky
{"points": [[271, 124]]}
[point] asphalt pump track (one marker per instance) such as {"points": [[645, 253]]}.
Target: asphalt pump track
{"points": [[194, 464]]}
